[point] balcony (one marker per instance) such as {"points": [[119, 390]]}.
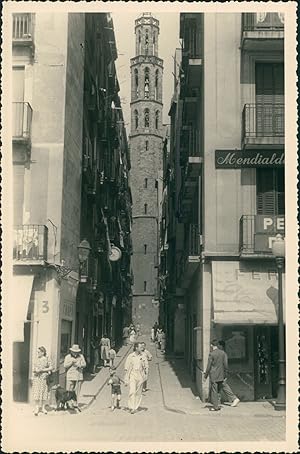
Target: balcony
{"points": [[190, 151], [22, 30], [190, 258], [257, 233], [30, 244], [263, 126], [262, 31]]}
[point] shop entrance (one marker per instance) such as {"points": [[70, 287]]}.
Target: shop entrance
{"points": [[265, 362], [21, 366]]}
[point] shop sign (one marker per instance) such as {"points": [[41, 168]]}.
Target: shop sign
{"points": [[236, 159], [266, 229]]}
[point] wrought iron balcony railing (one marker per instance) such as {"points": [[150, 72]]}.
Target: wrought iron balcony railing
{"points": [[30, 242], [22, 29], [190, 142], [22, 120], [257, 233], [193, 241], [262, 21], [263, 120]]}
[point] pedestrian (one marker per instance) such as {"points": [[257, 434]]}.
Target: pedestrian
{"points": [[125, 334], [95, 353], [136, 367], [41, 370], [226, 388], [155, 327], [105, 347], [217, 367], [112, 355], [132, 336], [163, 341], [148, 357], [115, 382], [138, 330], [159, 337], [152, 334], [74, 364]]}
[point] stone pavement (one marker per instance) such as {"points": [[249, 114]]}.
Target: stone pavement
{"points": [[169, 413]]}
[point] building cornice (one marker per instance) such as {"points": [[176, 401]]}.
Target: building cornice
{"points": [[150, 59], [136, 101], [145, 134]]}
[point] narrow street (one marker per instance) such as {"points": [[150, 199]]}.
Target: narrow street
{"points": [[169, 413]]}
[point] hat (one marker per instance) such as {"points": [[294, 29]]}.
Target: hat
{"points": [[75, 348]]}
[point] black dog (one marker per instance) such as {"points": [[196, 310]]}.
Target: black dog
{"points": [[65, 399]]}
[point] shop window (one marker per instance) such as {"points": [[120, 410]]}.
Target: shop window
{"points": [[147, 83], [136, 119], [270, 191], [146, 118]]}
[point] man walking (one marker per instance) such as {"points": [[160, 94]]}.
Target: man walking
{"points": [[136, 367], [226, 388], [217, 367], [146, 354]]}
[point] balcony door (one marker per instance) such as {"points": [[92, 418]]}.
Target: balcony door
{"points": [[18, 78], [269, 92], [270, 191]]}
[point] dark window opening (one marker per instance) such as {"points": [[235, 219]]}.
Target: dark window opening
{"points": [[156, 119], [270, 191], [146, 183], [147, 145], [145, 248], [146, 118], [145, 208], [145, 286], [136, 118]]}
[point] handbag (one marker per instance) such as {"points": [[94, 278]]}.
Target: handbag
{"points": [[50, 379]]}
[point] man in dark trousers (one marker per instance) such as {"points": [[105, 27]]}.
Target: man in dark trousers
{"points": [[217, 367]]}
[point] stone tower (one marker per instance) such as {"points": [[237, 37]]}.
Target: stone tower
{"points": [[146, 140]]}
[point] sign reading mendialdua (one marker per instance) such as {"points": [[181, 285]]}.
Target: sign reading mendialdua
{"points": [[234, 159]]}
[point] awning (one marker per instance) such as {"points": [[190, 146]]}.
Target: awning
{"points": [[243, 293], [21, 291]]}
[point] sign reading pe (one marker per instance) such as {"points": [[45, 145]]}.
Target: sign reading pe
{"points": [[266, 229]]}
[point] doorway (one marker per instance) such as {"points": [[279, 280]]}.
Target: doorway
{"points": [[265, 362]]}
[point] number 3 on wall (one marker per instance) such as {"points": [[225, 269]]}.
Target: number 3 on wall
{"points": [[45, 307]]}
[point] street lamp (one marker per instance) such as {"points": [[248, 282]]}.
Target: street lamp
{"points": [[84, 249], [278, 250]]}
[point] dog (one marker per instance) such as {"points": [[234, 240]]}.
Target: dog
{"points": [[66, 399]]}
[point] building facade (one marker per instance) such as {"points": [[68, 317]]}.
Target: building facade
{"points": [[146, 155], [228, 135], [61, 148]]}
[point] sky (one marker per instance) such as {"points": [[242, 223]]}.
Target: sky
{"points": [[125, 38]]}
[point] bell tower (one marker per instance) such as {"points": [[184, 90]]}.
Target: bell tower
{"points": [[146, 139]]}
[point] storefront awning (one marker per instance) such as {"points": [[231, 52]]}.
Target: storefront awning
{"points": [[244, 293], [21, 291]]}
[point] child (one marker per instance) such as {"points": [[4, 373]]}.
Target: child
{"points": [[112, 354], [115, 383]]}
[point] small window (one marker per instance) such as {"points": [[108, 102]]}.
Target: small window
{"points": [[145, 248], [156, 84], [145, 286], [145, 208], [147, 145], [146, 183], [156, 119], [147, 82], [146, 118], [136, 79]]}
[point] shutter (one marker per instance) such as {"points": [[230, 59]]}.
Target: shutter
{"points": [[266, 200]]}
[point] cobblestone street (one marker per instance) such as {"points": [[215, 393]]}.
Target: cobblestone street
{"points": [[180, 419]]}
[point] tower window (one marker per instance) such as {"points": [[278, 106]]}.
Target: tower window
{"points": [[145, 286], [147, 145], [140, 40], [156, 119], [147, 83], [145, 208], [146, 118], [146, 42], [156, 84], [136, 119], [136, 81], [145, 248], [146, 183]]}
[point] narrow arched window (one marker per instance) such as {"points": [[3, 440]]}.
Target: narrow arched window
{"points": [[146, 118], [156, 84], [156, 119], [136, 81], [146, 42], [140, 40], [136, 119], [147, 82]]}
